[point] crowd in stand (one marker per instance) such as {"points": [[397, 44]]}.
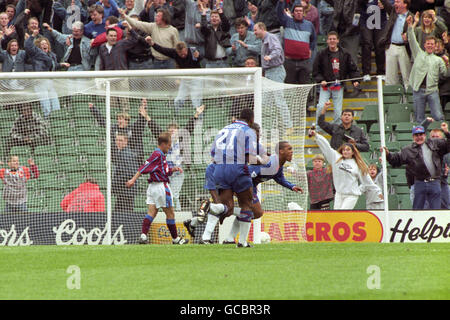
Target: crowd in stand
{"points": [[409, 38]]}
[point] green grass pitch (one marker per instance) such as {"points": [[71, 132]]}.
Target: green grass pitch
{"points": [[217, 272]]}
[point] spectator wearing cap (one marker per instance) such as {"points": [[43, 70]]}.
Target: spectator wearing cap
{"points": [[423, 159]]}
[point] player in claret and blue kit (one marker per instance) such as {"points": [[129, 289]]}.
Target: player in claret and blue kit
{"points": [[159, 194]]}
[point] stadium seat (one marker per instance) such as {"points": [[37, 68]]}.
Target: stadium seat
{"points": [[46, 164], [369, 115], [404, 127], [70, 164], [400, 112], [387, 100], [23, 152], [401, 190], [393, 172], [362, 126], [393, 146], [434, 125], [67, 150], [97, 163], [52, 201], [405, 201], [400, 180], [91, 150], [45, 150], [92, 141], [87, 131], [375, 128], [367, 156], [393, 90], [403, 136], [393, 201], [361, 203]]}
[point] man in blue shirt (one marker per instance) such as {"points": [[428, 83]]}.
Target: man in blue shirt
{"points": [[394, 41]]}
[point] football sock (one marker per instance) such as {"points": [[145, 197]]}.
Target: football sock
{"points": [[210, 225], [194, 222], [245, 220], [146, 224], [217, 208], [233, 231], [236, 211], [172, 228]]}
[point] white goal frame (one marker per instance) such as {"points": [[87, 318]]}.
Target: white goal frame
{"points": [[105, 75]]}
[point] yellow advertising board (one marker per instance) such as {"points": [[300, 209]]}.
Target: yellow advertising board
{"points": [[322, 226]]}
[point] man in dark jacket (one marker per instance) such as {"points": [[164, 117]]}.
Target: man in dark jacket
{"points": [[422, 5], [267, 14], [423, 160], [217, 38], [29, 129], [186, 58], [113, 56], [125, 166], [346, 25], [344, 132], [134, 132], [332, 64]]}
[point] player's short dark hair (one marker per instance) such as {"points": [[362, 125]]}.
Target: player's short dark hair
{"points": [[255, 127], [281, 145], [349, 111], [164, 138], [247, 115]]}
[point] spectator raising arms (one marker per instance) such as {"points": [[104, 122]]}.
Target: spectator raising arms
{"points": [[13, 60], [430, 25], [43, 59], [29, 129], [14, 179], [344, 132], [425, 73], [349, 171]]}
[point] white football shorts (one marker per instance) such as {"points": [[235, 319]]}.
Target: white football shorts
{"points": [[159, 194]]}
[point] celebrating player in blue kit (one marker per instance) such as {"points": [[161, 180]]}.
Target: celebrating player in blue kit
{"points": [[234, 147]]}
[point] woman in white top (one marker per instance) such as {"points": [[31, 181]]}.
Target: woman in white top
{"points": [[349, 171]]}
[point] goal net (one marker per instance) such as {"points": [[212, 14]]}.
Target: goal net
{"points": [[71, 140]]}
